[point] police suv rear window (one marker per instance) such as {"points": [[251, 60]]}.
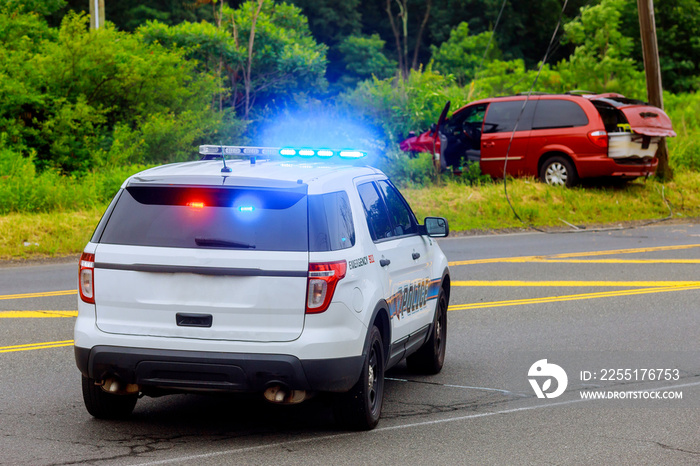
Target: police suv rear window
{"points": [[205, 217], [330, 222]]}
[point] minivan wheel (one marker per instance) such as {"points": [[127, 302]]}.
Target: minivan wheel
{"points": [[430, 358], [558, 171], [103, 405], [360, 408]]}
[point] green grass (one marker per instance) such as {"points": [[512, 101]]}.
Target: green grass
{"points": [[47, 234], [467, 208], [485, 207]]}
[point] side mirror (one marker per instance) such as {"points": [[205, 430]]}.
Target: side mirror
{"points": [[436, 227]]}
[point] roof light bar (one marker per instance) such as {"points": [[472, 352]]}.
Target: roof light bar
{"points": [[215, 151], [352, 154], [237, 150]]}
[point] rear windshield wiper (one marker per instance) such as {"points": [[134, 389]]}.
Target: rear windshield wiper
{"points": [[222, 243]]}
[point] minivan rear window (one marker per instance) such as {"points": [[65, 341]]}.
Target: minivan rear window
{"points": [[558, 114], [206, 217]]}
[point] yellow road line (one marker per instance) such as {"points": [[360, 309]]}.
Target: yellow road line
{"points": [[575, 297], [618, 261], [626, 251], [34, 346], [36, 314], [571, 283], [553, 257], [42, 294]]}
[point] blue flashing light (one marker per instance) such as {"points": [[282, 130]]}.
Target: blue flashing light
{"points": [[306, 152], [288, 152], [324, 153], [352, 154], [247, 208]]}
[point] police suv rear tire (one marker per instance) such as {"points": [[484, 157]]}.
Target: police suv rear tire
{"points": [[103, 405], [360, 408], [430, 358]]}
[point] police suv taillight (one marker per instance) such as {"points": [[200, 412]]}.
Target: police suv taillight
{"points": [[86, 278], [323, 277]]}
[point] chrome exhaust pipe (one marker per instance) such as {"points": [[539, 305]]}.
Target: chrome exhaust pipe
{"points": [[282, 395], [114, 387]]}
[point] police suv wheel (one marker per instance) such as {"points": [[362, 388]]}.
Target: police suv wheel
{"points": [[103, 405], [431, 356], [360, 408]]}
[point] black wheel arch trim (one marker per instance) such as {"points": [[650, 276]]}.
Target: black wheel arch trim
{"points": [[381, 311]]}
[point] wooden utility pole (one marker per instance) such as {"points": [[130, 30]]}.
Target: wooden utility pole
{"points": [[97, 14], [652, 69]]}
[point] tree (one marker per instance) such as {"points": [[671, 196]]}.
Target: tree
{"points": [[462, 53], [399, 22], [363, 58], [129, 15], [331, 22], [281, 56], [80, 94], [677, 31], [602, 60]]}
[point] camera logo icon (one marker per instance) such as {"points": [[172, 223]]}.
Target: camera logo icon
{"points": [[542, 370]]}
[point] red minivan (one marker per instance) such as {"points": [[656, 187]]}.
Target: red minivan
{"points": [[558, 138]]}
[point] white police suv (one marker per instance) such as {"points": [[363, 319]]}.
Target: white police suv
{"points": [[285, 277]]}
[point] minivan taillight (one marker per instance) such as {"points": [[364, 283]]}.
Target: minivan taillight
{"points": [[86, 278], [599, 138], [323, 277]]}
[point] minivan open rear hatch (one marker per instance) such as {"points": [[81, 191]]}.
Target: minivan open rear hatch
{"points": [[634, 127]]}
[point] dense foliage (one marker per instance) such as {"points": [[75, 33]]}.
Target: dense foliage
{"points": [[80, 108]]}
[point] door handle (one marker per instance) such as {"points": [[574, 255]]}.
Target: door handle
{"points": [[384, 262], [415, 255], [489, 144]]}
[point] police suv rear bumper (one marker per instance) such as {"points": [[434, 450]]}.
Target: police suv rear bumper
{"points": [[215, 371]]}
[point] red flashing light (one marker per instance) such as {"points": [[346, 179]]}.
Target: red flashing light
{"points": [[86, 278], [196, 204], [323, 277]]}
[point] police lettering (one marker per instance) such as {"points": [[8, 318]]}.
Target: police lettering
{"points": [[411, 297]]}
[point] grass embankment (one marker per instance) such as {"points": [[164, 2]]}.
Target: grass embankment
{"points": [[36, 236], [485, 207]]}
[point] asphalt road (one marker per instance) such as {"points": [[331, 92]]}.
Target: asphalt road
{"points": [[590, 302]]}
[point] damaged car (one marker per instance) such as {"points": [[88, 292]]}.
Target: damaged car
{"points": [[558, 138]]}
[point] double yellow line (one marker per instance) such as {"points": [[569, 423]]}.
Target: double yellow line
{"points": [[573, 257], [574, 297], [34, 346], [42, 294], [37, 314]]}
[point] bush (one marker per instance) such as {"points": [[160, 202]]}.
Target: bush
{"points": [[405, 170], [684, 111], [69, 96], [22, 189]]}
